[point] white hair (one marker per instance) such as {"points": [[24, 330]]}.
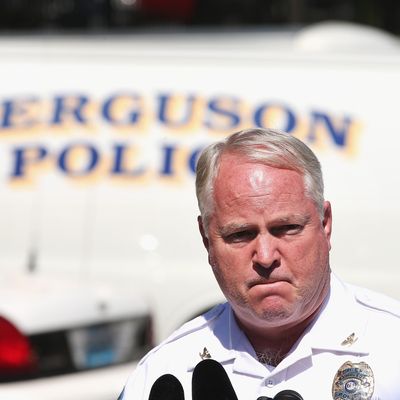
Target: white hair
{"points": [[266, 146]]}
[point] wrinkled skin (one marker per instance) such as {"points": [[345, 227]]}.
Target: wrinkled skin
{"points": [[268, 247]]}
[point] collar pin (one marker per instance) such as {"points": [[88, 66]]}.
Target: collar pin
{"points": [[205, 354], [350, 340]]}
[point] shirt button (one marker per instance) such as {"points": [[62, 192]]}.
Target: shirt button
{"points": [[270, 383]]}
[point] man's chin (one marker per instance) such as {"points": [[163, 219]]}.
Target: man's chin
{"points": [[274, 315], [269, 314]]}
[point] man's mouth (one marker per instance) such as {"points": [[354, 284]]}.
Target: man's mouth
{"points": [[266, 282]]}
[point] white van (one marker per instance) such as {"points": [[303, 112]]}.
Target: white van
{"points": [[98, 142]]}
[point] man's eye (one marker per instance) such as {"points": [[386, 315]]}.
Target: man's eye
{"points": [[241, 236], [289, 229]]}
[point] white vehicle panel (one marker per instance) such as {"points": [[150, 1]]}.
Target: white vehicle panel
{"points": [[98, 141]]}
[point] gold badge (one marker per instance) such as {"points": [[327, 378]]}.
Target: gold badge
{"points": [[353, 381]]}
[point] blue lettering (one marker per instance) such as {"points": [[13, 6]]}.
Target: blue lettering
{"points": [[64, 160], [16, 109], [233, 118], [193, 159], [131, 117], [165, 106], [338, 134], [24, 157], [168, 152], [63, 108], [290, 117], [120, 161]]}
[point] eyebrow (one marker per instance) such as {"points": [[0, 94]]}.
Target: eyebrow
{"points": [[233, 227], [297, 218], [287, 219]]}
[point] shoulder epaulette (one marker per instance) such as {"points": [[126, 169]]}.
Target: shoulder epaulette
{"points": [[191, 326], [378, 301]]}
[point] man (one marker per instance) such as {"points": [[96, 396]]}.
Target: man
{"points": [[288, 323]]}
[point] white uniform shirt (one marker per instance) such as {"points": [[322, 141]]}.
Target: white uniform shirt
{"points": [[371, 321]]}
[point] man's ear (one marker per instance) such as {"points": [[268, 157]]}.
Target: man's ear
{"points": [[327, 221], [203, 232]]}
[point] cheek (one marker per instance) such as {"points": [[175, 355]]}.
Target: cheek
{"points": [[237, 258], [306, 256], [314, 258], [222, 253], [297, 255], [229, 263]]}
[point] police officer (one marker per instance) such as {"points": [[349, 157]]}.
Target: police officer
{"points": [[289, 323]]}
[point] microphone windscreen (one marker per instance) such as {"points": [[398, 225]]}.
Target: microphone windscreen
{"points": [[288, 395], [167, 387], [211, 382]]}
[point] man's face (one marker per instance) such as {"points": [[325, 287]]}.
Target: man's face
{"points": [[267, 244]]}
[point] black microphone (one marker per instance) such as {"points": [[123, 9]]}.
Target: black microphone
{"points": [[167, 387], [288, 395], [211, 382], [283, 395]]}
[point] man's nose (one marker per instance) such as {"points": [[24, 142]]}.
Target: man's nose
{"points": [[265, 253]]}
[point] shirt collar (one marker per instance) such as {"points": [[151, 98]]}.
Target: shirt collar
{"points": [[339, 327], [217, 340], [341, 324]]}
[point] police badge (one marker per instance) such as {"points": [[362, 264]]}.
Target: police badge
{"points": [[353, 381]]}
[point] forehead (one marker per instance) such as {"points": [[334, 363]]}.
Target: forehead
{"points": [[239, 177]]}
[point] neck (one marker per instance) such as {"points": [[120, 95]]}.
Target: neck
{"points": [[272, 358], [272, 346]]}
